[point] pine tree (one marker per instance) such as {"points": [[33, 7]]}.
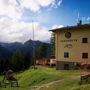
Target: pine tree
{"points": [[1, 64], [42, 53], [27, 60], [4, 63], [52, 44], [17, 61]]}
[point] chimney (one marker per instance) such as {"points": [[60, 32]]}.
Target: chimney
{"points": [[79, 22]]}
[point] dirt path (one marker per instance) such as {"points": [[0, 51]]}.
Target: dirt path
{"points": [[50, 83], [44, 85]]}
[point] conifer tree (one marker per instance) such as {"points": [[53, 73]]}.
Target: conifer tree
{"points": [[52, 44], [27, 60], [42, 53], [17, 61]]}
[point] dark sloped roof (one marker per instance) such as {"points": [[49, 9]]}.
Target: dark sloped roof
{"points": [[71, 27]]}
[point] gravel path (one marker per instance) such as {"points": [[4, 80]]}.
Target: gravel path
{"points": [[44, 85], [51, 83]]}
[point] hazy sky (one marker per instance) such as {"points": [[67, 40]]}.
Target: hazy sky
{"points": [[16, 17]]}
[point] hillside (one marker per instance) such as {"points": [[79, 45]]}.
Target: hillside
{"points": [[7, 49], [4, 52], [67, 80]]}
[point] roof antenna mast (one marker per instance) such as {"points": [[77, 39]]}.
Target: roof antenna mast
{"points": [[79, 22], [78, 17]]}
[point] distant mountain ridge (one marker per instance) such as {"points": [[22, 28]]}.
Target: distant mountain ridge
{"points": [[4, 52], [7, 49]]}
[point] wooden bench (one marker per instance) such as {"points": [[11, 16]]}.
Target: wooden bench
{"points": [[8, 81], [84, 78]]}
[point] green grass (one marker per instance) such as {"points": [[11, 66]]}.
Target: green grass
{"points": [[67, 84], [30, 78], [62, 85]]}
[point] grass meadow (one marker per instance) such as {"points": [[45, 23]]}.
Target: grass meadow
{"points": [[67, 79]]}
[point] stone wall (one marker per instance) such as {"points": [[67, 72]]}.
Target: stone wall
{"points": [[62, 65]]}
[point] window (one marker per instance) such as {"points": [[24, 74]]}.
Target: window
{"points": [[66, 54], [84, 40], [84, 55]]}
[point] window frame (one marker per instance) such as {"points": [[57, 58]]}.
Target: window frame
{"points": [[66, 54], [85, 40], [85, 55]]}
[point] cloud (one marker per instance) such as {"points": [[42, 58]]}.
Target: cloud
{"points": [[15, 8], [56, 3], [88, 19], [57, 26], [14, 30], [35, 5], [59, 3], [10, 8], [85, 18]]}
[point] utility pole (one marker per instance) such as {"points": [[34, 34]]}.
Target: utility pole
{"points": [[33, 45]]}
